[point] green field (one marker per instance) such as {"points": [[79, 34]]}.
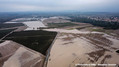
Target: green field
{"points": [[4, 32], [36, 40], [1, 41], [9, 25], [59, 25]]}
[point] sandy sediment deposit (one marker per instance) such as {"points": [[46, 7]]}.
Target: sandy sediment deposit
{"points": [[79, 48], [15, 55], [75, 31]]}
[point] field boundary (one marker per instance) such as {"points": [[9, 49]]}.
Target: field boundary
{"points": [[48, 51]]}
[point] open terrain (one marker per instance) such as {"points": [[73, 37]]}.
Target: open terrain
{"points": [[83, 44], [13, 54], [71, 48], [63, 43]]}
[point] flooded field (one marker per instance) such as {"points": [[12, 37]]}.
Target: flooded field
{"points": [[34, 25], [70, 49], [28, 22]]}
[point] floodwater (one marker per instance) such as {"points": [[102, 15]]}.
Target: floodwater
{"points": [[34, 25]]}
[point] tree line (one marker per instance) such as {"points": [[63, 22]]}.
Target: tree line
{"points": [[105, 24]]}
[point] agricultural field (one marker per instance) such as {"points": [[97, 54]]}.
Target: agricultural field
{"points": [[1, 41], [5, 32], [10, 25], [11, 53], [34, 25], [110, 32], [73, 48], [60, 25], [37, 40]]}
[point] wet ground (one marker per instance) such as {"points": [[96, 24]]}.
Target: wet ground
{"points": [[70, 49], [13, 54]]}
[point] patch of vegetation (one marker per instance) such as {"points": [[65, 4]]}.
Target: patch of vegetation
{"points": [[99, 30], [59, 25], [70, 28], [36, 40], [5, 32], [109, 32], [1, 41], [9, 25], [117, 51], [83, 27]]}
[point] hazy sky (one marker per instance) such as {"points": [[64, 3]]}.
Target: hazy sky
{"points": [[59, 5]]}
